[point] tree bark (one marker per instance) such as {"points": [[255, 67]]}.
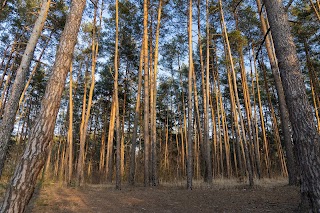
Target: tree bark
{"points": [[146, 95], [11, 107], [116, 100], [205, 142], [154, 178], [285, 123], [24, 180], [305, 133], [190, 104], [132, 169]]}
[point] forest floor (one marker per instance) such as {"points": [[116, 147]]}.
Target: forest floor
{"points": [[222, 196]]}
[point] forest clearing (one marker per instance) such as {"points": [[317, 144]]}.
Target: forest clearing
{"points": [[274, 196], [160, 106]]}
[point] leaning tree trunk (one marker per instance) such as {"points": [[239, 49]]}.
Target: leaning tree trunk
{"points": [[11, 107], [24, 180], [305, 133], [285, 123]]}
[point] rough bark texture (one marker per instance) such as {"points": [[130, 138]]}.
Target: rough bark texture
{"points": [[300, 113], [285, 123], [12, 105], [22, 185]]}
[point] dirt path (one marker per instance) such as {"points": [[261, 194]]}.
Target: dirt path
{"points": [[166, 199]]}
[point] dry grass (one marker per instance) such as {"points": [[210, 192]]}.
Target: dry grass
{"points": [[231, 183]]}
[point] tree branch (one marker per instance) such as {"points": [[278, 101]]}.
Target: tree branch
{"points": [[264, 39], [286, 8]]}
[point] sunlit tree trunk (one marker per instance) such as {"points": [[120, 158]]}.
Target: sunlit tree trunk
{"points": [[5, 90], [255, 127], [244, 83], [103, 144], [234, 82], [7, 123], [315, 9], [154, 101], [116, 100], [109, 157], [14, 48], [86, 110], [135, 125], [25, 176], [274, 125], [263, 128], [205, 142], [70, 130], [146, 95], [190, 104], [314, 83]]}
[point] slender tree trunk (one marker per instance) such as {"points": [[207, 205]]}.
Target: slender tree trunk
{"points": [[274, 124], [109, 157], [205, 144], [207, 91], [244, 83], [154, 98], [70, 131], [5, 91], [305, 134], [7, 124], [103, 143], [87, 109], [146, 95], [116, 100], [80, 163], [315, 9], [136, 123], [255, 128], [47, 170], [245, 144], [314, 83], [13, 49], [263, 128], [34, 69], [190, 79], [24, 180]]}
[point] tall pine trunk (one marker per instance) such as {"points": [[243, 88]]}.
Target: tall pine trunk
{"points": [[131, 178], [11, 107], [285, 123], [24, 180], [190, 117], [305, 133], [153, 121], [146, 95], [116, 100]]}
